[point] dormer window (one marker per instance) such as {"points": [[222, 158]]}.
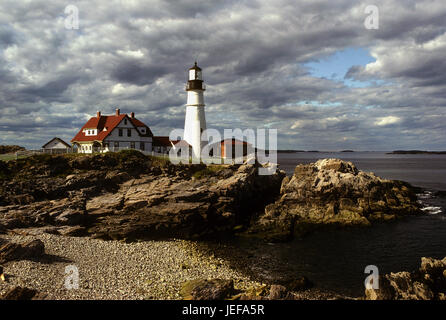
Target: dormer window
{"points": [[90, 132]]}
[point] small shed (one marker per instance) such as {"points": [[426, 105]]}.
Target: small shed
{"points": [[56, 145], [230, 148]]}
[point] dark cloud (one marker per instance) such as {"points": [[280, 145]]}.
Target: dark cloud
{"points": [[53, 91], [135, 72]]}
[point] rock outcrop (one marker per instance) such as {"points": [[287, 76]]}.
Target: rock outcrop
{"points": [[22, 293], [334, 192], [214, 289], [427, 283], [128, 195], [19, 293], [221, 289], [14, 251]]}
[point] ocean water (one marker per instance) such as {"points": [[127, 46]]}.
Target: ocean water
{"points": [[335, 260]]}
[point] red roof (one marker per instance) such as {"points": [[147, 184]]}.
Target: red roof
{"points": [[107, 122], [161, 141]]}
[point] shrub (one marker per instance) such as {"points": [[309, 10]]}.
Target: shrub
{"points": [[208, 171]]}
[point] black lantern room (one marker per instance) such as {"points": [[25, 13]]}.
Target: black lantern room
{"points": [[195, 81]]}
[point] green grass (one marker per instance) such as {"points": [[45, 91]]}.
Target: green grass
{"points": [[209, 171], [10, 156]]}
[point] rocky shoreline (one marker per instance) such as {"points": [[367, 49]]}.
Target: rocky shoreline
{"points": [[140, 204], [332, 192], [426, 283]]}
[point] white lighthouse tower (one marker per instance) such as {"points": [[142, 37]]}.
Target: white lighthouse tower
{"points": [[195, 122]]}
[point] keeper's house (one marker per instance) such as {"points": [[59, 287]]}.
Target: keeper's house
{"points": [[113, 133]]}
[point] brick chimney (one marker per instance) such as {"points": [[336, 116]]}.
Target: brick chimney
{"points": [[132, 115], [118, 112], [98, 114]]}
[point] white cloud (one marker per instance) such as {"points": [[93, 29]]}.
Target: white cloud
{"points": [[385, 121]]}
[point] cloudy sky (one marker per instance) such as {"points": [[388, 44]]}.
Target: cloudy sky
{"points": [[310, 69]]}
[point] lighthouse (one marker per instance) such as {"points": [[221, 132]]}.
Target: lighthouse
{"points": [[195, 121]]}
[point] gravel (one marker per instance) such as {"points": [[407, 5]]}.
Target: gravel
{"points": [[115, 270]]}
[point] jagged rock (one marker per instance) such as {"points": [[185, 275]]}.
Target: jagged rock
{"points": [[19, 293], [37, 231], [14, 251], [23, 293], [427, 283], [70, 217], [334, 192], [265, 292], [74, 231], [215, 289], [298, 284], [277, 292], [165, 206]]}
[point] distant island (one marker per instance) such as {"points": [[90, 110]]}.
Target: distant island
{"points": [[347, 151], [416, 152], [290, 151]]}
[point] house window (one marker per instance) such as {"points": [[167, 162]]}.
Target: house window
{"points": [[116, 144], [141, 146], [120, 132], [129, 132], [125, 121], [132, 145]]}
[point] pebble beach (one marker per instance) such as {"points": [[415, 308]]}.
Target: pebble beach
{"points": [[114, 270]]}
